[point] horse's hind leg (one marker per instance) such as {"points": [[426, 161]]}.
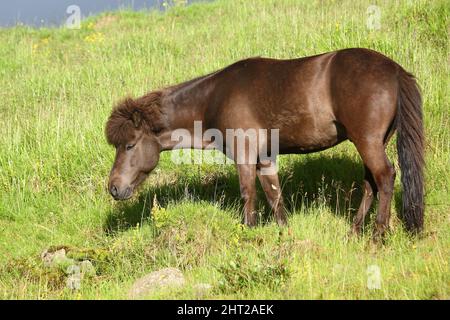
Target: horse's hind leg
{"points": [[271, 186], [370, 190], [374, 157]]}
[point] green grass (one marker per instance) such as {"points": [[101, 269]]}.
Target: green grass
{"points": [[58, 87]]}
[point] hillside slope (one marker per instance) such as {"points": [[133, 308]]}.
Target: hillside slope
{"points": [[57, 90]]}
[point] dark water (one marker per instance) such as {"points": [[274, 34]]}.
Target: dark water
{"points": [[50, 13]]}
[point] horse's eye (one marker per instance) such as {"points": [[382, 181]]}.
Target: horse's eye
{"points": [[130, 146]]}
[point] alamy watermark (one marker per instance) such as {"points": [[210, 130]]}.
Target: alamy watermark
{"points": [[373, 277], [244, 146], [73, 21], [373, 21], [73, 280]]}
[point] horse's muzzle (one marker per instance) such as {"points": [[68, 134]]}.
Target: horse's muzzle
{"points": [[120, 194]]}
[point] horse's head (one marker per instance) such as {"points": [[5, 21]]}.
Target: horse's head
{"points": [[132, 129]]}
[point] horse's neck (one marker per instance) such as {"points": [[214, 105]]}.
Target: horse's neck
{"points": [[183, 105]]}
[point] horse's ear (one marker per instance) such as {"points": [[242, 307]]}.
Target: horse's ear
{"points": [[136, 117]]}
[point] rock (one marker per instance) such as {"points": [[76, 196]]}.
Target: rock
{"points": [[161, 279], [76, 270], [73, 269], [47, 257], [74, 281], [86, 268], [56, 259]]}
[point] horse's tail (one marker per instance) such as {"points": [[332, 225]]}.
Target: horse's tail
{"points": [[410, 148]]}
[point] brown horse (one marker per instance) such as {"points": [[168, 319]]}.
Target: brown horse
{"points": [[314, 102]]}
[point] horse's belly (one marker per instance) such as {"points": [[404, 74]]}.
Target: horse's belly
{"points": [[309, 138]]}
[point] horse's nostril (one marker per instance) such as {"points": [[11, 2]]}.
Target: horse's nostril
{"points": [[113, 191]]}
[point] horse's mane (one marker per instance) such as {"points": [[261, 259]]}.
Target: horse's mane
{"points": [[120, 126]]}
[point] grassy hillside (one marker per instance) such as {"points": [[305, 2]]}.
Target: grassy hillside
{"points": [[58, 87]]}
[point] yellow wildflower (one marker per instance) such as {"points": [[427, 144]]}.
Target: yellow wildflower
{"points": [[94, 37]]}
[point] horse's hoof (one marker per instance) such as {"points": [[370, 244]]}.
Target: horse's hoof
{"points": [[250, 224], [282, 222], [378, 238], [353, 233]]}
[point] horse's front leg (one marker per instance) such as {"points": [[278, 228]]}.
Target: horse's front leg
{"points": [[247, 176], [268, 177]]}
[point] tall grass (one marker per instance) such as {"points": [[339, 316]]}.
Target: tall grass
{"points": [[57, 89]]}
